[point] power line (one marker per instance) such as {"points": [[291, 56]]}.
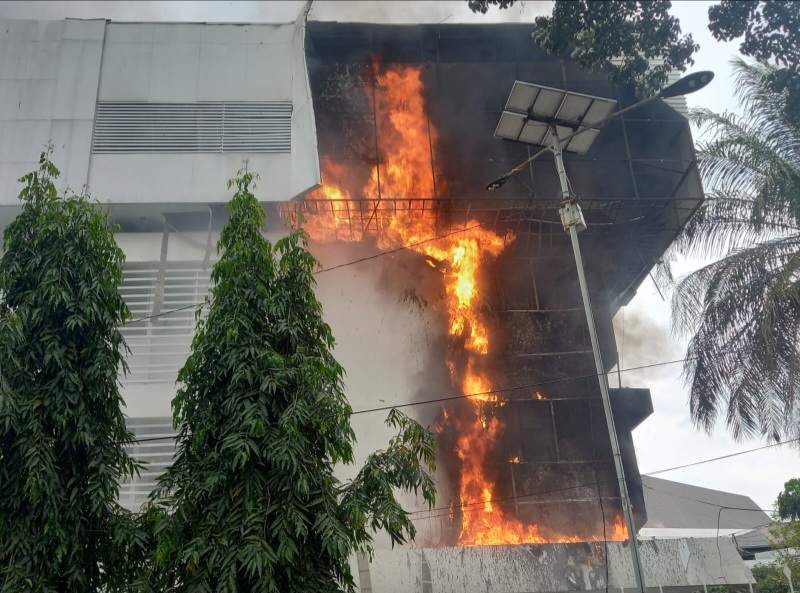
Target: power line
{"points": [[410, 245], [714, 504], [528, 386], [590, 484], [157, 315], [452, 508], [346, 264], [661, 471]]}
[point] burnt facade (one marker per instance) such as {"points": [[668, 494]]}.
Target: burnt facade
{"points": [[638, 184]]}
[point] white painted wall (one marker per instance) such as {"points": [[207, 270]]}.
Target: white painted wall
{"points": [[52, 73], [187, 63], [386, 341], [49, 73]]}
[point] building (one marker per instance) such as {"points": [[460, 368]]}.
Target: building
{"points": [[398, 122], [680, 510]]}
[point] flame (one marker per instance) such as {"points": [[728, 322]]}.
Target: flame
{"points": [[620, 530], [406, 170]]}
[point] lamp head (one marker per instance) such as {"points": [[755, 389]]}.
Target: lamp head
{"points": [[497, 183], [688, 84]]}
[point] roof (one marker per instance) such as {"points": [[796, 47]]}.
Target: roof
{"points": [[673, 505], [755, 540]]}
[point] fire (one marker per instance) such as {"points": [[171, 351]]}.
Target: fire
{"points": [[406, 172], [620, 531]]}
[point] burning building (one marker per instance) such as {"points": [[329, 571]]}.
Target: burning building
{"points": [[405, 119], [459, 305]]}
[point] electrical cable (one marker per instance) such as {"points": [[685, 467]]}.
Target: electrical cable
{"points": [[723, 457], [758, 509], [528, 386], [661, 471], [411, 245], [349, 263], [192, 306]]}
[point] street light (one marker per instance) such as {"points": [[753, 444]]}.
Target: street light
{"points": [[686, 85], [559, 121]]}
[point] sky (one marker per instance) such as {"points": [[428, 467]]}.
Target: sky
{"points": [[667, 438]]}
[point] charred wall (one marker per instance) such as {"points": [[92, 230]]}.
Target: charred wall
{"points": [[637, 185]]}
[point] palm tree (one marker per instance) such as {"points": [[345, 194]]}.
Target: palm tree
{"points": [[743, 310]]}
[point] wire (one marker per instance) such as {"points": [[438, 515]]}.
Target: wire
{"points": [[410, 245], [346, 264], [719, 551], [603, 515], [192, 306], [714, 504], [661, 471], [722, 457], [526, 386]]}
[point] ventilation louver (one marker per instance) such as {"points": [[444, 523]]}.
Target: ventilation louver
{"points": [[160, 345], [139, 127], [156, 448]]}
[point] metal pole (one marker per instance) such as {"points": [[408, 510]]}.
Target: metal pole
{"points": [[571, 208]]}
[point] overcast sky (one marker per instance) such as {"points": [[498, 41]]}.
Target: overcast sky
{"points": [[667, 438]]}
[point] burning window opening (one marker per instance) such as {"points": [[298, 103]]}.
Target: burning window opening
{"points": [[353, 206]]}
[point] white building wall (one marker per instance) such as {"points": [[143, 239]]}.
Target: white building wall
{"points": [[192, 63], [384, 341], [53, 73], [49, 72]]}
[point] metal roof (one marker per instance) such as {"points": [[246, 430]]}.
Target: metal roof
{"points": [[674, 505]]}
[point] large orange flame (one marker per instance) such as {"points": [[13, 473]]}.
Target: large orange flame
{"points": [[406, 171]]}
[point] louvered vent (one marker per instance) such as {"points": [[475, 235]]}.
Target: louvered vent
{"points": [[159, 345], [157, 448], [138, 127]]}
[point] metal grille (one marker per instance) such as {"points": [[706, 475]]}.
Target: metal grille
{"points": [[158, 454], [159, 345], [139, 127]]}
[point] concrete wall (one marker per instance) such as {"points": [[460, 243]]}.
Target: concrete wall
{"points": [[673, 565], [49, 75], [54, 73], [385, 342]]}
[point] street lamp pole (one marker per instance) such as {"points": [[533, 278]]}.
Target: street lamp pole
{"points": [[572, 219]]}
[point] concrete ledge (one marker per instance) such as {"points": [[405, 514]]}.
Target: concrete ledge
{"points": [[675, 565]]}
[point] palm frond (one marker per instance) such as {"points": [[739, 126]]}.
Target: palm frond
{"points": [[743, 313]]}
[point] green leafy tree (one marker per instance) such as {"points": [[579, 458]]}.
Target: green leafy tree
{"points": [[742, 311], [770, 578], [788, 502], [642, 38], [785, 532], [251, 502], [62, 430], [770, 32]]}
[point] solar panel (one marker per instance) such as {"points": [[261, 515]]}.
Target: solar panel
{"points": [[532, 110]]}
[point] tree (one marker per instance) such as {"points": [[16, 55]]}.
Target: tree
{"points": [[743, 310], [642, 38], [785, 534], [251, 502], [788, 502], [771, 32], [770, 578], [62, 430]]}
